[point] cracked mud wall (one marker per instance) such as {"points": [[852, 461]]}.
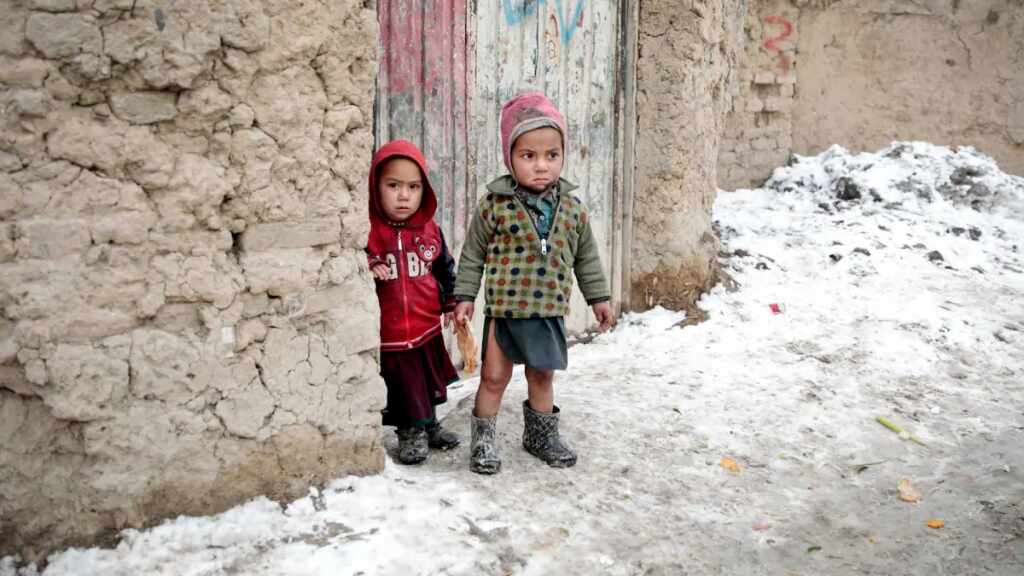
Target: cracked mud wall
{"points": [[868, 72], [186, 318], [687, 56]]}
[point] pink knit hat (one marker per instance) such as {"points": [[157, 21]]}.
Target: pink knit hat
{"points": [[524, 112]]}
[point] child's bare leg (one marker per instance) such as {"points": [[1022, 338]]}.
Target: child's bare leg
{"points": [[540, 389], [494, 377]]}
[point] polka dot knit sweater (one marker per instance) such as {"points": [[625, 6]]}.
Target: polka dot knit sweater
{"points": [[527, 276]]}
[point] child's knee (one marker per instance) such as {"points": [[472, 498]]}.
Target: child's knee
{"points": [[537, 377], [494, 383]]}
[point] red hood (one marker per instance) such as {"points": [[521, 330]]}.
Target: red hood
{"points": [[401, 149]]}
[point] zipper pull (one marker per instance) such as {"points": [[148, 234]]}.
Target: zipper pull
{"points": [[399, 241], [543, 245]]}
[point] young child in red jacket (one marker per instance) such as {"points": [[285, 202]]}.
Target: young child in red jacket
{"points": [[415, 276]]}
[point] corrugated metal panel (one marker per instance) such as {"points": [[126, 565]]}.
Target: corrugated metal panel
{"points": [[422, 94], [568, 49]]}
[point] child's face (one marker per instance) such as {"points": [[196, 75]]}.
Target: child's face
{"points": [[537, 158], [401, 189]]}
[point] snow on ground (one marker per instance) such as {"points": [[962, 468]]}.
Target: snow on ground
{"points": [[899, 283]]}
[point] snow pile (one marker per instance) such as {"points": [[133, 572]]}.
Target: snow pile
{"points": [[954, 207], [904, 174]]}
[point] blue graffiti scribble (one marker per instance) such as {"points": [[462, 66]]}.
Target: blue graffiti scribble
{"points": [[569, 25], [514, 15]]}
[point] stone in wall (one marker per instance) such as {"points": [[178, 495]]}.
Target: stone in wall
{"points": [[186, 318], [687, 56]]}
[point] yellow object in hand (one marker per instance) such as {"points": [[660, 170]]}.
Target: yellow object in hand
{"points": [[467, 346]]}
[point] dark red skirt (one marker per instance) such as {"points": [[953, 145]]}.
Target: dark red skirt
{"points": [[417, 380]]}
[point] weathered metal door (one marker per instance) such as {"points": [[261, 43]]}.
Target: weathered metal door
{"points": [[421, 95], [568, 49], [437, 71]]}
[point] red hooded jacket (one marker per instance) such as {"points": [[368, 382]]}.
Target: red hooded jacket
{"points": [[422, 272]]}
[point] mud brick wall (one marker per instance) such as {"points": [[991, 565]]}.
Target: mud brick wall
{"points": [[758, 132], [186, 318], [687, 56]]}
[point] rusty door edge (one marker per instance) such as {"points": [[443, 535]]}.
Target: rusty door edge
{"points": [[625, 145]]}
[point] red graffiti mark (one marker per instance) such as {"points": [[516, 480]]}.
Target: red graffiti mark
{"points": [[772, 44]]}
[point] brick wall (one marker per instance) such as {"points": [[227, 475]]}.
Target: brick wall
{"points": [[758, 134]]}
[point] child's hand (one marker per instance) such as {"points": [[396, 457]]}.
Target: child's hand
{"points": [[463, 313], [449, 319], [604, 315], [380, 271]]}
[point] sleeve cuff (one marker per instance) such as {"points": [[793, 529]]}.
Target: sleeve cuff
{"points": [[598, 300]]}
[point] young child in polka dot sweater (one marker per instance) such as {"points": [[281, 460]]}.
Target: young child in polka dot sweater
{"points": [[529, 236]]}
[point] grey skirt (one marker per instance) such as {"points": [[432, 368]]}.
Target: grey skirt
{"points": [[537, 342]]}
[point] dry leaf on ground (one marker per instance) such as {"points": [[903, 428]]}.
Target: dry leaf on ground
{"points": [[907, 491], [935, 523], [730, 465]]}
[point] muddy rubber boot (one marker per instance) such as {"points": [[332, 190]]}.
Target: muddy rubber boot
{"points": [[541, 439], [412, 445], [439, 438], [483, 453]]}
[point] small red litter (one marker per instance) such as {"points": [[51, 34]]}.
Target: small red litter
{"points": [[776, 308]]}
